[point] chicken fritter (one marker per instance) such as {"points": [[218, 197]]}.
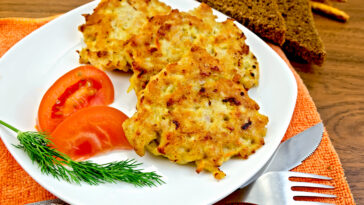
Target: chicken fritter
{"points": [[190, 112], [166, 38], [108, 28]]}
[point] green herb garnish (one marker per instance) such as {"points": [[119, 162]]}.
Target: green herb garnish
{"points": [[61, 166]]}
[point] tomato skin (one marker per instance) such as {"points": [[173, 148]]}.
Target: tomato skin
{"points": [[91, 131], [81, 87]]}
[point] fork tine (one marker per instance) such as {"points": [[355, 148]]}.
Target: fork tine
{"points": [[310, 185], [305, 175], [312, 194]]}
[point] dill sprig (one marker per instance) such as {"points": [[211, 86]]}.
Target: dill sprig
{"points": [[52, 162]]}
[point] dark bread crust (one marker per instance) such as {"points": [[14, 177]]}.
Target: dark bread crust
{"points": [[302, 39], [262, 17]]}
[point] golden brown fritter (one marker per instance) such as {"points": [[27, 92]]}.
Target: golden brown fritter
{"points": [[166, 38], [190, 112], [108, 28]]}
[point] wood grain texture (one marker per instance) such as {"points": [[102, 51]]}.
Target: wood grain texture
{"points": [[337, 87]]}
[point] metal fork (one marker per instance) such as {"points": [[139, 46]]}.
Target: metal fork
{"points": [[275, 188]]}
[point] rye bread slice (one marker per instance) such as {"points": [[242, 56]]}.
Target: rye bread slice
{"points": [[260, 16], [302, 39]]}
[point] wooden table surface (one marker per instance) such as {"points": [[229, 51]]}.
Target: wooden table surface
{"points": [[337, 87]]}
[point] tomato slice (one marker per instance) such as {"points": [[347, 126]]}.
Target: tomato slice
{"points": [[91, 131], [81, 87]]}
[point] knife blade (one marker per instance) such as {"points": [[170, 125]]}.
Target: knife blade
{"points": [[292, 152]]}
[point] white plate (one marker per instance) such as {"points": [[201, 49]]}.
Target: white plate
{"points": [[32, 65]]}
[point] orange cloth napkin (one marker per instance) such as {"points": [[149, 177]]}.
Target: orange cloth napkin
{"points": [[17, 187]]}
